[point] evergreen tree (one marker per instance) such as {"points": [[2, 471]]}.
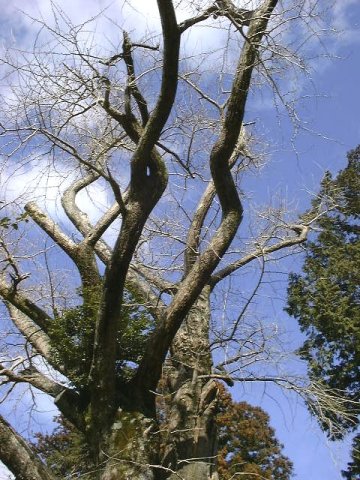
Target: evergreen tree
{"points": [[353, 467], [325, 297]]}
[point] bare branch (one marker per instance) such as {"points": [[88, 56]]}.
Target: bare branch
{"points": [[131, 84], [16, 454], [31, 331], [302, 232], [190, 22], [25, 305]]}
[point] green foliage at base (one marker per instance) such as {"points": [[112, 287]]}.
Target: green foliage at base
{"points": [[72, 334], [247, 445]]}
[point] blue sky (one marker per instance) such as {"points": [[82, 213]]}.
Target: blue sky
{"points": [[334, 118]]}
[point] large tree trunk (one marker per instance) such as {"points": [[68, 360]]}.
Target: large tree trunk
{"points": [[187, 432], [190, 447], [131, 449]]}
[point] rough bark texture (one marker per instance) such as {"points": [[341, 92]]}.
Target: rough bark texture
{"points": [[191, 432], [18, 457], [131, 448], [116, 410]]}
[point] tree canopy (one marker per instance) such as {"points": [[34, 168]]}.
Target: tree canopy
{"points": [[325, 297], [134, 285]]}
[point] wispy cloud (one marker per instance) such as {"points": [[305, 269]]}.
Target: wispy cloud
{"points": [[345, 21], [40, 181]]}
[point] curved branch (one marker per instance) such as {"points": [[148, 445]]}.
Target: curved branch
{"points": [[68, 201], [92, 238], [19, 458], [193, 237], [149, 370], [32, 333], [26, 306], [169, 82], [81, 221]]}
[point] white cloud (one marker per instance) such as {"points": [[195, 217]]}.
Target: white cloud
{"points": [[5, 474], [19, 27], [43, 183], [342, 21]]}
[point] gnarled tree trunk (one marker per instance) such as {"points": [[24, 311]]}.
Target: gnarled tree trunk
{"points": [[124, 434], [191, 447], [132, 447]]}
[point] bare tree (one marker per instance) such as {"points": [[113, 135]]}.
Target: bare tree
{"points": [[168, 142]]}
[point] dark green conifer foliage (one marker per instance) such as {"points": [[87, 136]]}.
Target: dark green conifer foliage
{"points": [[353, 467], [325, 297]]}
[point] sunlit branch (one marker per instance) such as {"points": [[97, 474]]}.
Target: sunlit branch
{"points": [[80, 254], [52, 229], [193, 238], [25, 305], [16, 454], [31, 331], [301, 230]]}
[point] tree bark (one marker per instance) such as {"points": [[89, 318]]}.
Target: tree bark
{"points": [[192, 400], [18, 456], [132, 448]]}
